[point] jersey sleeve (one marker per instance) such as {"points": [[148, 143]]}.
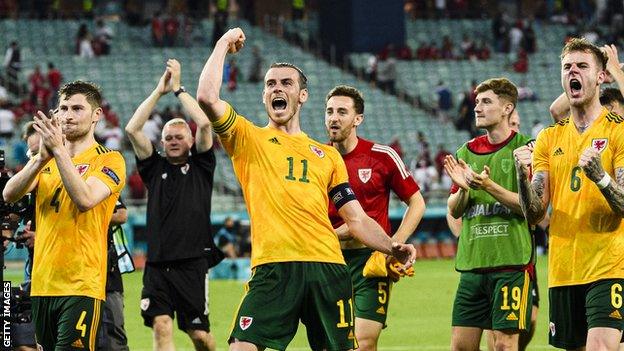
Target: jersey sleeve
{"points": [[206, 160], [401, 181], [618, 147], [540, 152], [339, 175], [146, 167], [233, 130], [112, 171]]}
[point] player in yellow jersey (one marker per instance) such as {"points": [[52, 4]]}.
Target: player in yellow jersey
{"points": [[573, 161], [77, 184], [287, 180]]}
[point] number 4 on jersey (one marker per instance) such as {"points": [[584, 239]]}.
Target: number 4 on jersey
{"points": [[55, 199]]}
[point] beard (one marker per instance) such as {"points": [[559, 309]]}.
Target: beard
{"points": [[75, 134]]}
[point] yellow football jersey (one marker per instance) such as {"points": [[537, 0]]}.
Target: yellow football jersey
{"points": [[285, 181], [586, 236], [71, 248]]}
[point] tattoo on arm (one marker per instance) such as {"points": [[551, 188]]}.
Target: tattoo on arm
{"points": [[614, 192], [531, 196]]}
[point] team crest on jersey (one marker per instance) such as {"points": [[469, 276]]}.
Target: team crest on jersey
{"points": [[145, 304], [365, 174], [82, 168], [245, 322], [185, 168], [599, 144], [320, 153], [506, 165]]}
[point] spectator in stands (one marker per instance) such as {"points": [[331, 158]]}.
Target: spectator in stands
{"points": [[137, 188], [525, 93], [439, 158], [447, 52], [220, 20], [112, 134], [12, 65], [225, 239], [529, 41], [422, 147], [444, 99], [516, 35], [36, 82], [82, 33], [171, 25], [422, 53], [387, 73], [522, 62], [7, 122], [483, 51], [434, 52], [298, 9], [86, 49], [158, 30], [395, 144], [424, 173], [371, 68], [55, 78], [537, 127], [466, 116], [4, 95], [499, 32], [180, 245], [103, 37], [255, 69], [467, 46], [233, 74], [152, 128], [440, 9], [188, 26]]}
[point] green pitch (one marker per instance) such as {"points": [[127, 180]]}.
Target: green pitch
{"points": [[419, 316]]}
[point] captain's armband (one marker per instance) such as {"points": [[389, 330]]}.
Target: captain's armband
{"points": [[341, 194]]}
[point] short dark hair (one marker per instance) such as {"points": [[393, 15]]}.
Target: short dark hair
{"points": [[91, 91], [303, 80], [348, 91], [28, 129], [611, 95], [583, 45], [502, 87]]}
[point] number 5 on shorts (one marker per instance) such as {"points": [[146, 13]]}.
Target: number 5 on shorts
{"points": [[616, 295], [343, 322]]}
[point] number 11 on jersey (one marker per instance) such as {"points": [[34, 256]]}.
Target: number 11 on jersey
{"points": [[291, 166]]}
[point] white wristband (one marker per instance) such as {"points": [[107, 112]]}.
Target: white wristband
{"points": [[604, 182]]}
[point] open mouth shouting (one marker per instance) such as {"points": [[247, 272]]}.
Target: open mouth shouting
{"points": [[279, 104], [575, 88]]}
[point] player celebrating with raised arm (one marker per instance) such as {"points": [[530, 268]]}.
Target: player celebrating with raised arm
{"points": [[374, 170], [78, 182], [495, 247], [180, 245], [572, 163], [287, 180]]}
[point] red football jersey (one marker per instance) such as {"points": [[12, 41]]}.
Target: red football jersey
{"points": [[374, 170]]}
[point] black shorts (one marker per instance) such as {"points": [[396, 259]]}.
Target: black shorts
{"points": [[575, 309], [180, 287], [535, 290]]}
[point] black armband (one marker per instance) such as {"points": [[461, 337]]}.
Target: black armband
{"points": [[341, 194]]}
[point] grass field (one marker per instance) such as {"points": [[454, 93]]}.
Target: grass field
{"points": [[419, 314]]}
